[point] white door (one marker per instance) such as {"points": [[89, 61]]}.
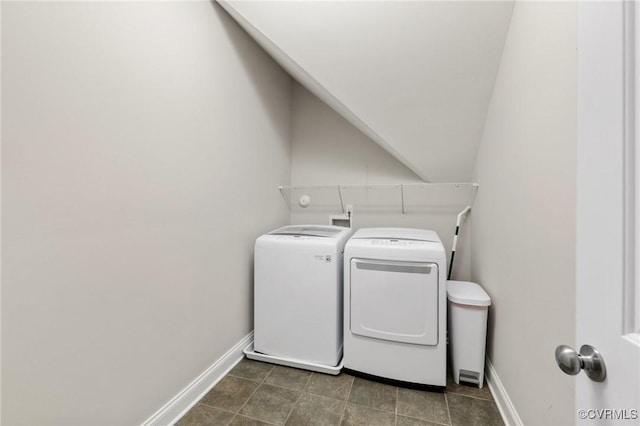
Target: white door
{"points": [[608, 294], [395, 301]]}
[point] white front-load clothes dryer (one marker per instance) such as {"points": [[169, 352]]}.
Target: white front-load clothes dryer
{"points": [[298, 297], [395, 306]]}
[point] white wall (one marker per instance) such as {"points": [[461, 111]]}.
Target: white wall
{"points": [[523, 236], [411, 75], [328, 150], [138, 139]]}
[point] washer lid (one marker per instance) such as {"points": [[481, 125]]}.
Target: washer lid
{"points": [[396, 234], [467, 293], [310, 230]]}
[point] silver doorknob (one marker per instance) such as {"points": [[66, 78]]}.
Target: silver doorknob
{"points": [[589, 360]]}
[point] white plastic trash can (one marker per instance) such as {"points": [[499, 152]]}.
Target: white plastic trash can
{"points": [[468, 305]]}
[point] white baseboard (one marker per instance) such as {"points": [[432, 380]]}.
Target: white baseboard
{"points": [[505, 406], [178, 406]]}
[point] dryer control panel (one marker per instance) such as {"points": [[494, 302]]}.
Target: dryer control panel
{"points": [[393, 242]]}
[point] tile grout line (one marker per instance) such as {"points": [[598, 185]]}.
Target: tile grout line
{"points": [[368, 406], [346, 402], [264, 380], [425, 420], [243, 378], [305, 391], [334, 399], [245, 403], [395, 419], [230, 373], [307, 382], [252, 418], [252, 393], [470, 396], [215, 408], [304, 388], [324, 396], [235, 414], [330, 397], [297, 399], [446, 401], [210, 406]]}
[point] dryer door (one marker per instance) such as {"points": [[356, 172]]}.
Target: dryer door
{"points": [[395, 301]]}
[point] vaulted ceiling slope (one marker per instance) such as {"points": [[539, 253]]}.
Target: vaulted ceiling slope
{"points": [[414, 76]]}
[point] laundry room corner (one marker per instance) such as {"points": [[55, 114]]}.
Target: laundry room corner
{"points": [[328, 151]]}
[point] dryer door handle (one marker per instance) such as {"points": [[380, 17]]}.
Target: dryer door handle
{"points": [[405, 267]]}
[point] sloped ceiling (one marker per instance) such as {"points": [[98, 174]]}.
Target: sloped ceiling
{"points": [[414, 76]]}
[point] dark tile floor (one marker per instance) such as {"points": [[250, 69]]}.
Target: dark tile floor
{"points": [[256, 393]]}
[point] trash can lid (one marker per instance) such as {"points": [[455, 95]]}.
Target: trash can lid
{"points": [[467, 293]]}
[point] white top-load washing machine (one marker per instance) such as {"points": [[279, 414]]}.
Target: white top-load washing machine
{"points": [[298, 290], [395, 305]]}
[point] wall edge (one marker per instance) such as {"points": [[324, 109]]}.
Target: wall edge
{"points": [[505, 405], [184, 400]]}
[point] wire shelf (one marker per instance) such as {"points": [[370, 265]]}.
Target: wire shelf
{"points": [[402, 198]]}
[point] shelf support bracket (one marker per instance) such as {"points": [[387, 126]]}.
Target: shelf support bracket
{"points": [[341, 202]]}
